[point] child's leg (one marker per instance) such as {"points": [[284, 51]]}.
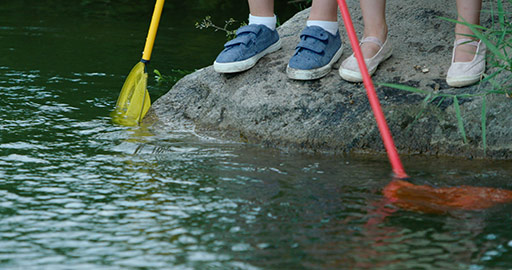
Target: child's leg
{"points": [[262, 12], [468, 11], [252, 41], [468, 62], [374, 18], [262, 8], [374, 45], [320, 43], [324, 13], [324, 10]]}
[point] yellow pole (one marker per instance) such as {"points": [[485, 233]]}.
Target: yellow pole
{"points": [[150, 40]]}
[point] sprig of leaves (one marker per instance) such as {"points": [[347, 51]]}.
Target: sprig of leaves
{"points": [[208, 23]]}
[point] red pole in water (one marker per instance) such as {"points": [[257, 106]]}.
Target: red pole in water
{"points": [[394, 159]]}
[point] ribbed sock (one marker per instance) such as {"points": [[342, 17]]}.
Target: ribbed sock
{"points": [[269, 22], [331, 27]]}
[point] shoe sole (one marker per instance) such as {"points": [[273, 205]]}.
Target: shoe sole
{"points": [[463, 81], [234, 67], [312, 74], [356, 76]]}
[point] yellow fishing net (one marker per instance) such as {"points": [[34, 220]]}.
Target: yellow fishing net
{"points": [[133, 102]]}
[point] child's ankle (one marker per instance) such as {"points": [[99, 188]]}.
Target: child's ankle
{"points": [[381, 33], [331, 27], [269, 22]]}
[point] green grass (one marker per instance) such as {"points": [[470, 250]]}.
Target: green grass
{"points": [[228, 27], [498, 80], [174, 76]]}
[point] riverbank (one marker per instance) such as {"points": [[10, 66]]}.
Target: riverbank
{"points": [[262, 106]]}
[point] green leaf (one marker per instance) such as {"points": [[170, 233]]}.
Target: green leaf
{"points": [[501, 13], [425, 101], [491, 80], [459, 119], [475, 29], [424, 104], [440, 101], [490, 46], [404, 87], [483, 118], [463, 22]]}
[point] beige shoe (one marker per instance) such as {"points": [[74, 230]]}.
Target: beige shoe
{"points": [[349, 69], [467, 73]]}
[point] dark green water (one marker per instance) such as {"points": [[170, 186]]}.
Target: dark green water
{"points": [[77, 192]]}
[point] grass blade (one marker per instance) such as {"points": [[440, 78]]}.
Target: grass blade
{"points": [[404, 87], [475, 29], [501, 13], [440, 101], [483, 118], [459, 119], [424, 105], [463, 22], [426, 100]]}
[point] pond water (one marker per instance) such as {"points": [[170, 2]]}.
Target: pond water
{"points": [[77, 192]]}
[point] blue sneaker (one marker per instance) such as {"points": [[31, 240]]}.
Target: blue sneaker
{"points": [[315, 54], [252, 42]]}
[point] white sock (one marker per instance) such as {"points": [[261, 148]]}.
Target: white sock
{"points": [[331, 27], [269, 22]]}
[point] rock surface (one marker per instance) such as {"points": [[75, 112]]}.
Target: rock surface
{"points": [[330, 115]]}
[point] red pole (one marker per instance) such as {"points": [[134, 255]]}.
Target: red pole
{"points": [[394, 159]]}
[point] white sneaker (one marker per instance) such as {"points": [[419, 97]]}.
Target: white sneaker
{"points": [[349, 69], [467, 73]]}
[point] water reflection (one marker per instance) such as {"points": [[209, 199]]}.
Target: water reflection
{"points": [[185, 203], [279, 211], [77, 192]]}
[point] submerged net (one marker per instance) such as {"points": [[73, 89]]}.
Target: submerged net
{"points": [[133, 102], [428, 199]]}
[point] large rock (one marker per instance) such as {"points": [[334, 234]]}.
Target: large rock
{"points": [[263, 106]]}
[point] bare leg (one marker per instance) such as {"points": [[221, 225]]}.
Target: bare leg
{"points": [[324, 10], [263, 8], [469, 11], [374, 18]]}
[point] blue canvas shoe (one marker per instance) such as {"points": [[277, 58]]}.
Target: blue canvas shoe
{"points": [[252, 42], [315, 54]]}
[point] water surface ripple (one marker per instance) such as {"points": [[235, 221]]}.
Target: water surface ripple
{"points": [[77, 192]]}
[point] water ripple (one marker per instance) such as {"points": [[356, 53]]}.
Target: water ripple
{"points": [[77, 192]]}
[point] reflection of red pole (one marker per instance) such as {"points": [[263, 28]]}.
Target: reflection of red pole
{"points": [[441, 200], [414, 197], [394, 159]]}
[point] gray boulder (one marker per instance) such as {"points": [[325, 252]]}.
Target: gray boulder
{"points": [[262, 106]]}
